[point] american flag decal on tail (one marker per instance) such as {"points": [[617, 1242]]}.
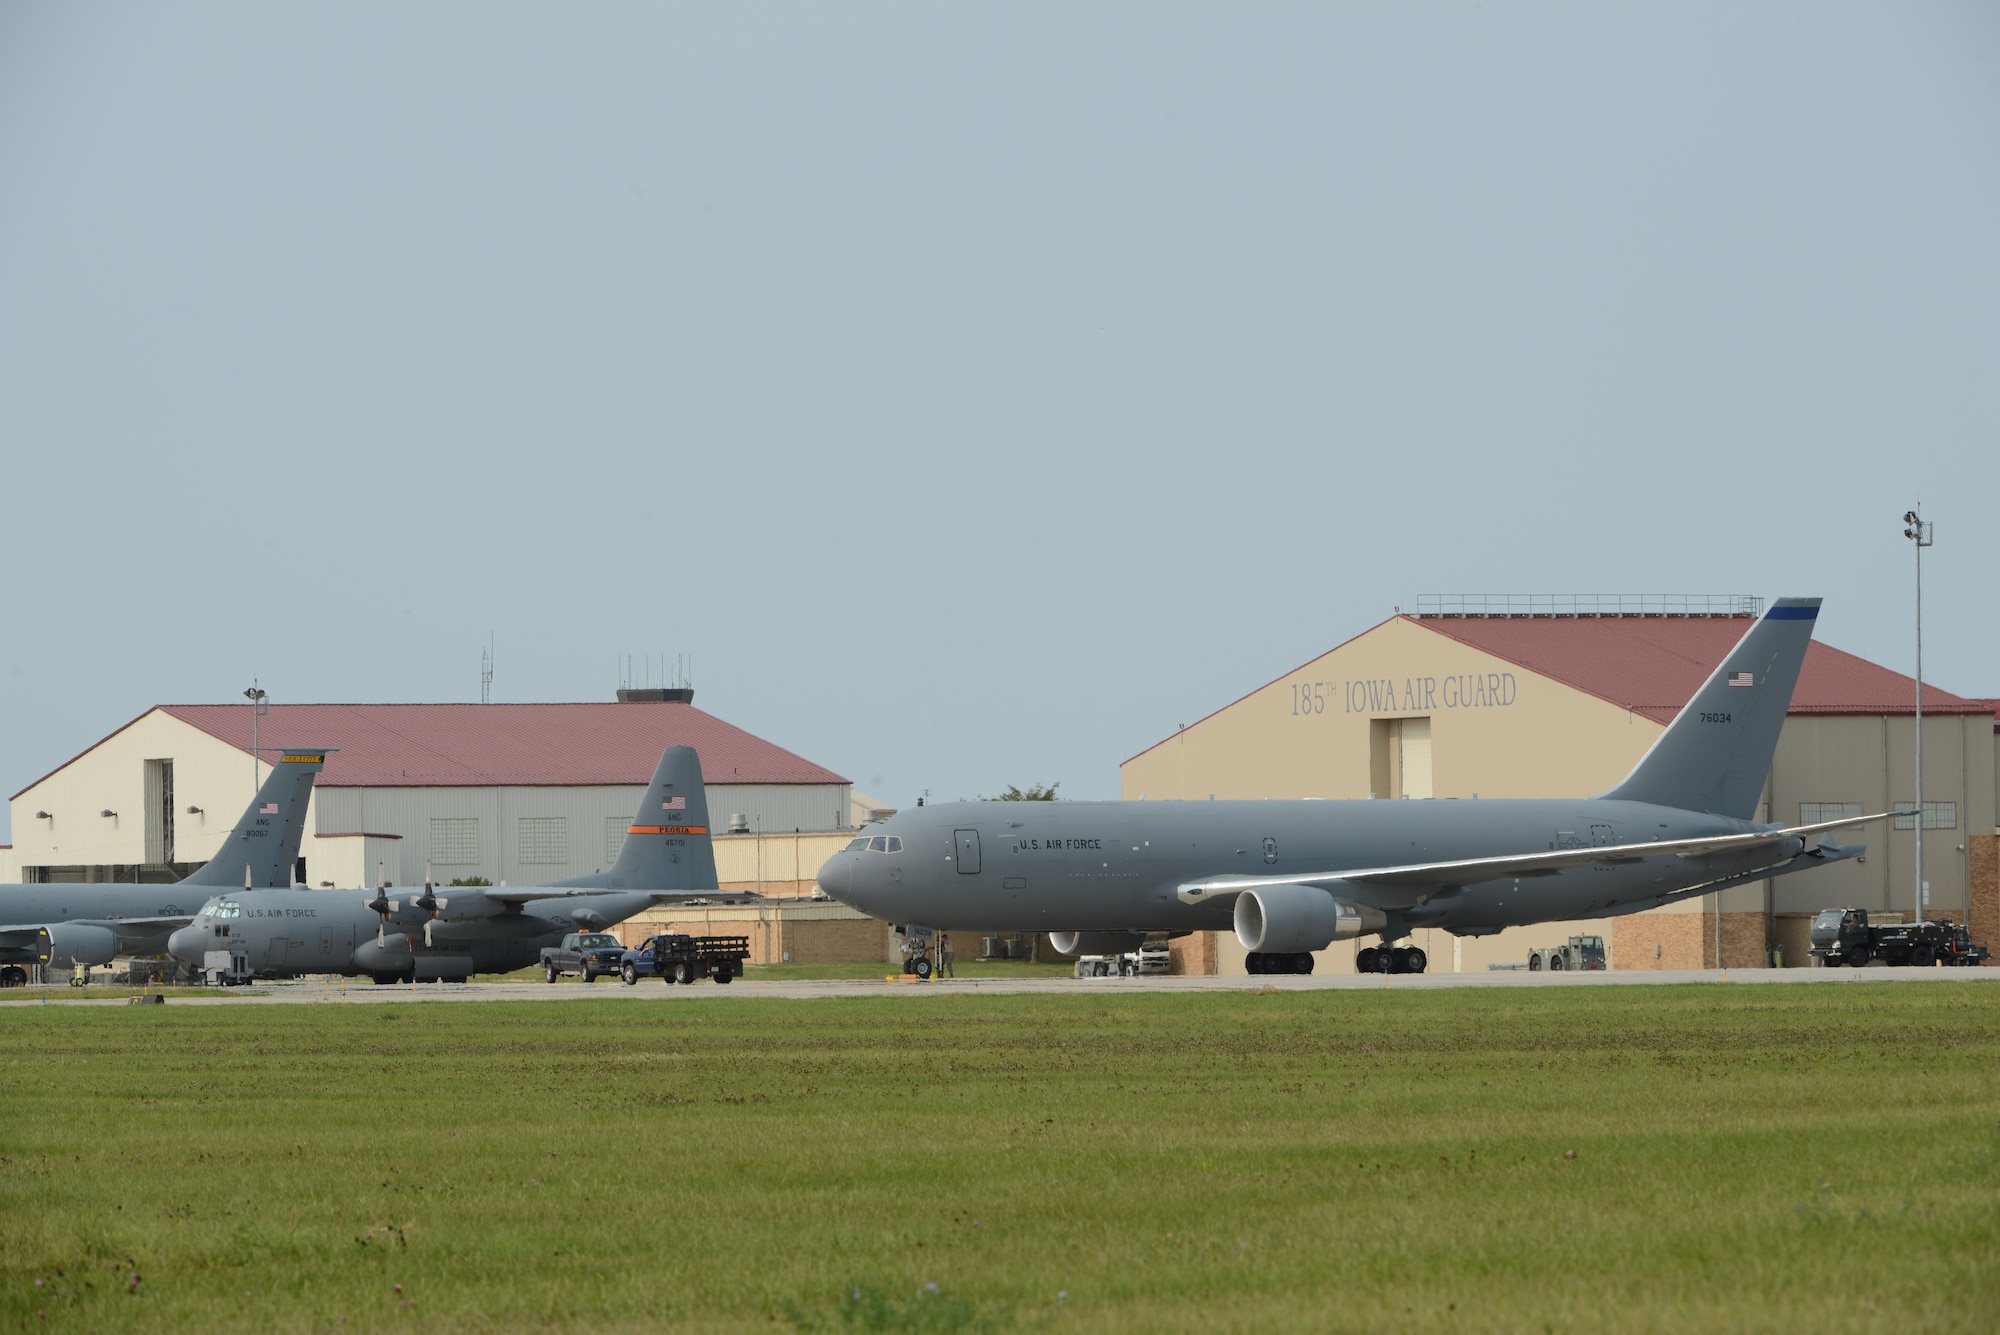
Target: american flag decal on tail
{"points": [[268, 809], [674, 803], [1742, 679]]}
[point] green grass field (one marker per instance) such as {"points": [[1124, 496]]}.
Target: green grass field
{"points": [[1636, 1158]]}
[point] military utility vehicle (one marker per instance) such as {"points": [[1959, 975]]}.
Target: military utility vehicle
{"points": [[1579, 952], [1845, 936]]}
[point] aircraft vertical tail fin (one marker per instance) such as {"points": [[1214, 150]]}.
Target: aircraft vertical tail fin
{"points": [[1716, 753], [266, 840], [667, 845]]}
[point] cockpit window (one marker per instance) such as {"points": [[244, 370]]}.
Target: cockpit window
{"points": [[895, 843], [228, 908], [856, 845], [885, 843], [879, 844]]}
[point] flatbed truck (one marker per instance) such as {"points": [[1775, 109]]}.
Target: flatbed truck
{"points": [[680, 958]]}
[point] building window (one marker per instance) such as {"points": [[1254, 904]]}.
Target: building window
{"points": [[543, 839], [1937, 816], [455, 840], [1813, 813], [614, 837]]}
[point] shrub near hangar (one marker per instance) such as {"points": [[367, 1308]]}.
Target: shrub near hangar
{"points": [[1550, 697]]}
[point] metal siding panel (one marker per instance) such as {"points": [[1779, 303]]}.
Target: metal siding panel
{"points": [[806, 807]]}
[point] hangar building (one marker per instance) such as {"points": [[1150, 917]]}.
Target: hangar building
{"points": [[514, 793], [1556, 697]]}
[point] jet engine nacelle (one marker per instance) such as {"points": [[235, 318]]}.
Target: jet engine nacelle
{"points": [[1286, 919], [1096, 943], [69, 943]]}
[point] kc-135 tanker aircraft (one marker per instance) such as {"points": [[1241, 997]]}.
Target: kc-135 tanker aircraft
{"points": [[63, 924], [1293, 877], [452, 932]]}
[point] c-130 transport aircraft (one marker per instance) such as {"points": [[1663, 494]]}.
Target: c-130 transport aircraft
{"points": [[1293, 877], [58, 925], [401, 935]]}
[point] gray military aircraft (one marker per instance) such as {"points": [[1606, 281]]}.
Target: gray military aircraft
{"points": [[60, 925], [1293, 877], [448, 933]]}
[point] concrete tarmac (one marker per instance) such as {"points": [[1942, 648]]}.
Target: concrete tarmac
{"points": [[322, 991]]}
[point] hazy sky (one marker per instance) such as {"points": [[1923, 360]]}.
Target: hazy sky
{"points": [[976, 393]]}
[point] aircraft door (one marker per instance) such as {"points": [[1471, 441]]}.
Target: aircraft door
{"points": [[967, 844], [274, 952]]}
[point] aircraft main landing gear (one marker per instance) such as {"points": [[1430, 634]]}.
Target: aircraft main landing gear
{"points": [[1391, 959], [1265, 961]]}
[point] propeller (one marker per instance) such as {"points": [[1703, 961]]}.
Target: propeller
{"points": [[381, 904]]}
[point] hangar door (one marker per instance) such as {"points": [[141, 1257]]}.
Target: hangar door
{"points": [[1399, 757], [1416, 744]]}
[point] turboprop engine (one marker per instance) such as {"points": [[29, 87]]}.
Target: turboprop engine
{"points": [[1288, 919], [67, 943], [1096, 943]]}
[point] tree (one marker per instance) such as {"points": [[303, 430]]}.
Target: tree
{"points": [[1035, 793], [470, 880]]}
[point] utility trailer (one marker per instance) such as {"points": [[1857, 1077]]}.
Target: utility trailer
{"points": [[1845, 936], [680, 958]]}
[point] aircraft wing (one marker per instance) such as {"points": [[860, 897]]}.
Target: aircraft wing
{"points": [[528, 894], [24, 933], [1471, 871]]}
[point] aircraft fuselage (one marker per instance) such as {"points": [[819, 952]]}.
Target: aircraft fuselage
{"points": [[287, 933], [1116, 866]]}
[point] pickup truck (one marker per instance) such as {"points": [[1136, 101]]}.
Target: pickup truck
{"points": [[590, 954], [679, 958]]}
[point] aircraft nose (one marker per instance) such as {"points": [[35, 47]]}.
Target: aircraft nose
{"points": [[836, 875], [187, 944]]}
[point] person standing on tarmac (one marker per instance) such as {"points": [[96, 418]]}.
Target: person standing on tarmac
{"points": [[945, 955]]}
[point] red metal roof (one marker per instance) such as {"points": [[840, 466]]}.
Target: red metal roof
{"points": [[1654, 665], [549, 745]]}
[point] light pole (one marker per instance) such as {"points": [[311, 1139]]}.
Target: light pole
{"points": [[1919, 533], [256, 697]]}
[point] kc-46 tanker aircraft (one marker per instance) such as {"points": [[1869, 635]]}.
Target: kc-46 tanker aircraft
{"points": [[64, 924], [451, 932], [1294, 877]]}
